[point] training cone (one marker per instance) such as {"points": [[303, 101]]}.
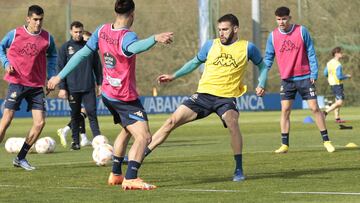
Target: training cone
{"points": [[308, 119], [351, 145]]}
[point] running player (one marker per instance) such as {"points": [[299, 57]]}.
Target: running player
{"points": [[118, 48], [29, 49], [333, 72]]}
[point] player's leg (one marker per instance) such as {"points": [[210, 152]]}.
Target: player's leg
{"points": [[320, 122], [182, 115], [120, 144], [75, 106], [89, 102], [287, 93], [82, 122], [12, 102], [308, 93], [142, 137], [231, 118], [5, 122]]}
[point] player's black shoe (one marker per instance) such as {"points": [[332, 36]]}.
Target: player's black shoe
{"points": [[75, 146]]}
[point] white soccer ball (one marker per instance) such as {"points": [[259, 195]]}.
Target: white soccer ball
{"points": [[102, 154], [10, 145], [45, 145], [99, 140], [52, 144]]}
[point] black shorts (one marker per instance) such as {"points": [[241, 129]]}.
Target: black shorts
{"points": [[34, 96], [338, 91], [289, 88], [126, 113], [205, 104]]}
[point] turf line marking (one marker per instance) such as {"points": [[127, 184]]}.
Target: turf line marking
{"points": [[202, 190], [323, 193], [65, 187]]}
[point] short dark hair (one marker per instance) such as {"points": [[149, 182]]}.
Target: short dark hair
{"points": [[35, 9], [124, 6], [229, 18], [282, 11], [85, 32], [335, 51], [76, 24]]}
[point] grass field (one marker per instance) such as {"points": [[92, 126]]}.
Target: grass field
{"points": [[196, 165]]}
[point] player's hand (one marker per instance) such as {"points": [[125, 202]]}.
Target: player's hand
{"points": [[165, 37], [53, 82], [63, 94], [10, 69], [312, 81], [165, 78], [98, 92], [260, 91], [348, 75]]}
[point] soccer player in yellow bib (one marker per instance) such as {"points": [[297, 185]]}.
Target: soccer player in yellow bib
{"points": [[226, 60], [333, 71]]}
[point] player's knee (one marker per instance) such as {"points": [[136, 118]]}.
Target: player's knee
{"points": [[39, 124], [170, 123]]}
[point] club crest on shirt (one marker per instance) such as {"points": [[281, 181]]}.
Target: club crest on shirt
{"points": [[71, 50]]}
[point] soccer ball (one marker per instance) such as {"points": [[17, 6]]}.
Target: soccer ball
{"points": [[98, 140], [45, 145], [102, 154], [14, 144]]}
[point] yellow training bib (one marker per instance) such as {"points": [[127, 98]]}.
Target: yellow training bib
{"points": [[224, 70]]}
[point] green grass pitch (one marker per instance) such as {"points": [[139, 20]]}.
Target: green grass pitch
{"points": [[196, 164]]}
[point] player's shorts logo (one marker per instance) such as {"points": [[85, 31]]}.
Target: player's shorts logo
{"points": [[13, 95], [139, 114], [109, 60]]}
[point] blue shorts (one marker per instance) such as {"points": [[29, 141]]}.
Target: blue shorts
{"points": [[34, 96], [338, 91], [289, 88], [205, 104], [126, 113]]}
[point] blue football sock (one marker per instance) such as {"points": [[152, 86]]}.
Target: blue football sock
{"points": [[132, 170], [24, 150], [116, 167], [324, 135], [147, 151], [238, 161], [285, 138]]}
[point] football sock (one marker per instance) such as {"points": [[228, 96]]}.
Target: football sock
{"points": [[116, 167], [132, 170], [24, 150], [147, 151], [238, 161], [285, 138], [324, 135]]}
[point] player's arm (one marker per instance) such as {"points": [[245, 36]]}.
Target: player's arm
{"points": [[5, 44], [61, 62], [326, 73], [189, 66], [98, 73], [51, 56], [255, 56], [310, 50], [132, 45], [269, 52], [340, 74]]}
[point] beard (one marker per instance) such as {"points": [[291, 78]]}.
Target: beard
{"points": [[229, 39]]}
